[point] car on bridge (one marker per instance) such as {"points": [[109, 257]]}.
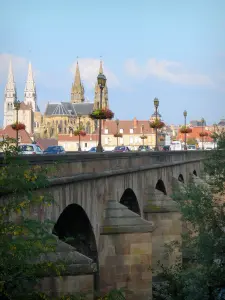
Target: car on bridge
{"points": [[144, 148], [54, 150], [94, 149], [28, 149], [121, 149]]}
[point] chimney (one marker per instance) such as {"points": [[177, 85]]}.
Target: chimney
{"points": [[135, 122]]}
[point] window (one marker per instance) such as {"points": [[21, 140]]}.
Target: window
{"points": [[131, 130], [121, 140], [131, 140], [121, 130], [106, 131], [65, 130], [106, 141], [85, 145]]}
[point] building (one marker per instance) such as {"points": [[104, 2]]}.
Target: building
{"points": [[64, 117], [28, 107], [8, 132]]}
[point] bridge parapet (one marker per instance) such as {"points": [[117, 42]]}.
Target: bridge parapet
{"points": [[86, 163]]}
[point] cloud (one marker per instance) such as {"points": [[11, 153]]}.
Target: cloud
{"points": [[170, 71], [89, 68], [19, 65]]}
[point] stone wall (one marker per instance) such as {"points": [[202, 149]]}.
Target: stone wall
{"points": [[125, 261]]}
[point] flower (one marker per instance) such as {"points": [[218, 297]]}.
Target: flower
{"points": [[185, 129], [143, 137], [103, 113], [79, 131], [214, 135], [18, 126], [156, 124]]}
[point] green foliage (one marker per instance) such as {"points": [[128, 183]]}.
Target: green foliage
{"points": [[23, 237], [203, 239], [191, 141]]}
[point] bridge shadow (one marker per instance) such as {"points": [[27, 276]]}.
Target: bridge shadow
{"points": [[160, 186], [181, 178], [74, 228], [129, 200]]}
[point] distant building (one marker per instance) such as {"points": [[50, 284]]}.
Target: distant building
{"points": [[196, 123]]}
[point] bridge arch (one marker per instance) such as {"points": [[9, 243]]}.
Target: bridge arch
{"points": [[160, 186], [129, 200], [74, 223], [181, 178], [195, 173]]}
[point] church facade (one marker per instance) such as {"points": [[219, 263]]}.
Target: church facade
{"points": [[28, 107], [58, 118], [64, 117]]}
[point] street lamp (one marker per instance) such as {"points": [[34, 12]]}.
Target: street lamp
{"points": [[143, 140], [202, 120], [79, 116], [185, 134], [156, 104], [101, 82], [214, 140], [17, 107], [117, 131]]}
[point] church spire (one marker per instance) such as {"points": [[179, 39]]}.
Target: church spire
{"points": [[10, 97], [77, 91], [105, 102], [77, 79], [101, 68], [30, 89]]}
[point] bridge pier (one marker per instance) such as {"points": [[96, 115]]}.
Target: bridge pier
{"points": [[125, 252], [164, 213]]}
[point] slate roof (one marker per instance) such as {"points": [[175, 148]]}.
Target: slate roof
{"points": [[68, 109]]}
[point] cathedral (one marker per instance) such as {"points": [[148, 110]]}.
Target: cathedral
{"points": [[58, 118]]}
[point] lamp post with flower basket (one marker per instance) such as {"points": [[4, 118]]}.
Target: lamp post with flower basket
{"points": [[17, 126], [203, 134], [117, 135], [101, 113], [143, 136], [156, 124], [185, 133], [79, 131], [214, 135]]}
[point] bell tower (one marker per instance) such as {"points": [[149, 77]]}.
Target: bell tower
{"points": [[9, 98], [105, 102], [77, 90], [30, 96]]}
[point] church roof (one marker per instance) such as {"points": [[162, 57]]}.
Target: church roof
{"points": [[68, 109]]}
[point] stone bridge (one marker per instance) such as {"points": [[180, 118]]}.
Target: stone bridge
{"points": [[118, 209]]}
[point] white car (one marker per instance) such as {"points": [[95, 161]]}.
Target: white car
{"points": [[30, 149]]}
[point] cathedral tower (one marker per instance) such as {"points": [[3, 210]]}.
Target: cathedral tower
{"points": [[105, 102], [30, 96], [77, 90], [10, 97]]}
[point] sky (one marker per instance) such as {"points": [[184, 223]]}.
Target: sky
{"points": [[170, 49]]}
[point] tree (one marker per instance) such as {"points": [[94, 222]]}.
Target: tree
{"points": [[23, 238], [191, 141], [201, 277]]}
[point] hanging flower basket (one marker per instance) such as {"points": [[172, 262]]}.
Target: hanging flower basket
{"points": [[18, 126], [202, 134], [185, 129], [156, 124], [102, 114], [143, 137], [118, 135], [79, 132], [162, 139]]}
